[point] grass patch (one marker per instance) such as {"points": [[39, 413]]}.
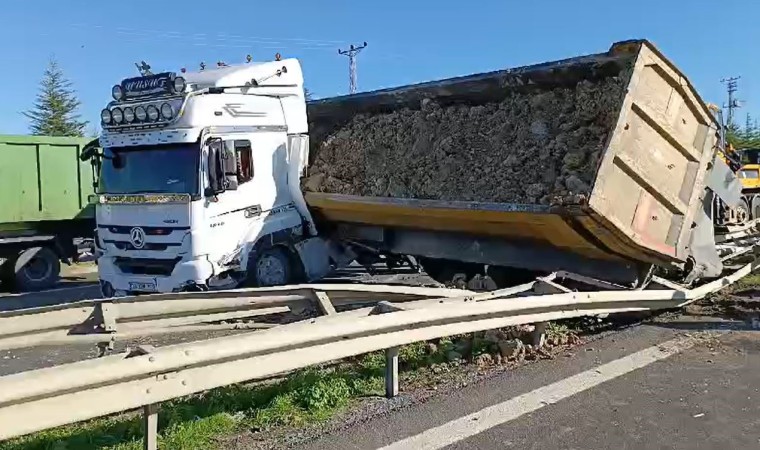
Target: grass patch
{"points": [[750, 281], [195, 423]]}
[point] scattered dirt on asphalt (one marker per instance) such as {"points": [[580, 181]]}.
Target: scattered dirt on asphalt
{"points": [[741, 303]]}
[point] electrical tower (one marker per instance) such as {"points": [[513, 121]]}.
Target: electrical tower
{"points": [[351, 53], [733, 103]]}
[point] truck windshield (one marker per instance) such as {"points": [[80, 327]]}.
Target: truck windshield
{"points": [[165, 168]]}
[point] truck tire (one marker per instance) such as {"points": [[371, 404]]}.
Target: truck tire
{"points": [[448, 272], [270, 267], [506, 277], [40, 272]]}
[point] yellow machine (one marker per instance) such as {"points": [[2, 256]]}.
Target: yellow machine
{"points": [[746, 164], [749, 173]]}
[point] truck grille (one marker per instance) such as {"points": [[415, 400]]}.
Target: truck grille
{"points": [[146, 266], [149, 231], [158, 247]]}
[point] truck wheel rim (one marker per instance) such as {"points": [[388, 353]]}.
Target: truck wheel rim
{"points": [[270, 271], [37, 269]]}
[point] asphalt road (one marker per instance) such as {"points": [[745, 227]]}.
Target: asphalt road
{"points": [[81, 284], [76, 284], [624, 392]]}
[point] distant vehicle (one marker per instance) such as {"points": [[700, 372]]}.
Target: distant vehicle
{"points": [[45, 217]]}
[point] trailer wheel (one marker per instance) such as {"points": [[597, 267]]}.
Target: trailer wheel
{"points": [[39, 272], [450, 272], [506, 277], [743, 211], [270, 267]]}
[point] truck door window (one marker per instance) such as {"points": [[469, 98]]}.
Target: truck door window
{"points": [[244, 154]]}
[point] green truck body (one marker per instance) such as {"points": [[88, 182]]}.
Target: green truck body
{"points": [[44, 207], [42, 179]]}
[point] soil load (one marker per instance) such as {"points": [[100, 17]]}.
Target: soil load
{"points": [[537, 139]]}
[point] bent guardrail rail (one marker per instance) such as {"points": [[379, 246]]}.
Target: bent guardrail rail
{"points": [[106, 320]]}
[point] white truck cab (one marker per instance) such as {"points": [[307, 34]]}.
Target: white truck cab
{"points": [[198, 183]]}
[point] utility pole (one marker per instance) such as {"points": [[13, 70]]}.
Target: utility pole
{"points": [[351, 53], [733, 103]]}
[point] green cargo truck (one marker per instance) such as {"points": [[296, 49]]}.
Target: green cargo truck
{"points": [[44, 210]]}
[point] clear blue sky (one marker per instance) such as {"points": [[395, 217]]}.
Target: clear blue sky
{"points": [[97, 42]]}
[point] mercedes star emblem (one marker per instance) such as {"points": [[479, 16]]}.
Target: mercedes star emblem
{"points": [[137, 237]]}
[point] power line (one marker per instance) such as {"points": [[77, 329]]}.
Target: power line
{"points": [[733, 103], [351, 53]]}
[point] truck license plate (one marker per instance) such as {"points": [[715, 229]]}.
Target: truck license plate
{"points": [[142, 287]]}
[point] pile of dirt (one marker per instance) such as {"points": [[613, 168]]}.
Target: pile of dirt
{"points": [[541, 147]]}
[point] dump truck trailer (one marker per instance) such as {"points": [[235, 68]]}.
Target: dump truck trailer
{"points": [[602, 164], [45, 217]]}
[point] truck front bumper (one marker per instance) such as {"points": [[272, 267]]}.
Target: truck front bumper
{"points": [[187, 275]]}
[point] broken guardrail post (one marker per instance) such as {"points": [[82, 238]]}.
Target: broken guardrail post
{"points": [[538, 335], [150, 424], [391, 372]]}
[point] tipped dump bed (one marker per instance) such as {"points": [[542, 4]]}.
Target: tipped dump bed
{"points": [[603, 156]]}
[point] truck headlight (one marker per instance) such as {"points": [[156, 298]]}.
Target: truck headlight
{"points": [[152, 113], [140, 113], [105, 116], [117, 92], [129, 114], [167, 111], [118, 115], [179, 85]]}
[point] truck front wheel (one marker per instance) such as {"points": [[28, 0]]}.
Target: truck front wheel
{"points": [[34, 269], [270, 267]]}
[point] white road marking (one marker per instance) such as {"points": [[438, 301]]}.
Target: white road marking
{"points": [[487, 418]]}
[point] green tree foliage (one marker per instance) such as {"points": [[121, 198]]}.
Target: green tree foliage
{"points": [[744, 137], [55, 110]]}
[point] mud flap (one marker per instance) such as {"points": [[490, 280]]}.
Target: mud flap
{"points": [[724, 183], [314, 254], [706, 260]]}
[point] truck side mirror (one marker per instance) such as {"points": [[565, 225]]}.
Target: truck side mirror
{"points": [[90, 150], [216, 176], [90, 153]]}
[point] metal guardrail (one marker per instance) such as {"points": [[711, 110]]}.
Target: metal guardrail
{"points": [[103, 321], [42, 399]]}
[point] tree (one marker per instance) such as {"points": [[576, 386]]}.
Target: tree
{"points": [[55, 110], [308, 94], [749, 137]]}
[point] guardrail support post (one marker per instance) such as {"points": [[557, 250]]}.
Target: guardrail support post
{"points": [[538, 336], [150, 420], [324, 303], [391, 372]]}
